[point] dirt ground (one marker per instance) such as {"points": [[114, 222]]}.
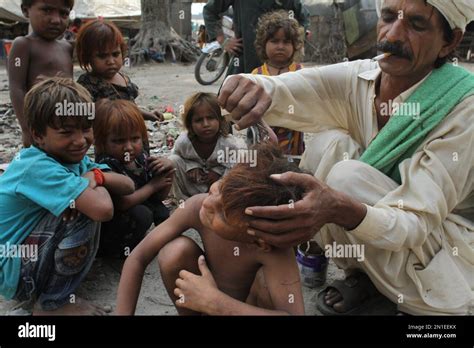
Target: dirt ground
{"points": [[160, 86]]}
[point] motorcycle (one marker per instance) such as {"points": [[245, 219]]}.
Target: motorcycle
{"points": [[214, 60]]}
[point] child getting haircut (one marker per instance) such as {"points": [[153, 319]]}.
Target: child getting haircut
{"points": [[223, 282]]}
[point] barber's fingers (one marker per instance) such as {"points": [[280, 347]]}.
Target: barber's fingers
{"points": [[251, 109], [228, 88], [305, 181], [234, 99]]}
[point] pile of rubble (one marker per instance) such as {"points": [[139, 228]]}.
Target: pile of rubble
{"points": [[10, 134]]}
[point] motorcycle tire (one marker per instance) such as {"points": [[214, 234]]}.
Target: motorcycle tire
{"points": [[200, 64]]}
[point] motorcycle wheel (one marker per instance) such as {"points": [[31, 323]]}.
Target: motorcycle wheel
{"points": [[210, 67]]}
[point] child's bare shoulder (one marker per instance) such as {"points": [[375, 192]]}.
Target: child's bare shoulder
{"points": [[190, 208], [22, 43]]}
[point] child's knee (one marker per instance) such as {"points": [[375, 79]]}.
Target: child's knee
{"points": [[77, 249], [173, 254]]}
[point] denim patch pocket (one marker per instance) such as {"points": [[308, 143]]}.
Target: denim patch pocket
{"points": [[75, 249]]}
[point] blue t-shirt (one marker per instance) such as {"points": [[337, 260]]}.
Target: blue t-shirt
{"points": [[33, 185]]}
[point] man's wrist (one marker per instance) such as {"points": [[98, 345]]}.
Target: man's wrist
{"points": [[349, 213]]}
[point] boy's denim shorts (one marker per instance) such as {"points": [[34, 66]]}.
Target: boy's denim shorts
{"points": [[66, 251]]}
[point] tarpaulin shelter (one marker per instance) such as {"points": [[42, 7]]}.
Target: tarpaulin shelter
{"points": [[10, 12]]}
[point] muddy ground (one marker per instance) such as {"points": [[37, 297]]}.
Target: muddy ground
{"points": [[160, 86]]}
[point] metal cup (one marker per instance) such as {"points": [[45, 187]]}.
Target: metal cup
{"points": [[312, 263]]}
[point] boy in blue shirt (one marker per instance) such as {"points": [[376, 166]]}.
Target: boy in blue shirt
{"points": [[52, 200]]}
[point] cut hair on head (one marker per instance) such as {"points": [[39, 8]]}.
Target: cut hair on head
{"points": [[246, 186], [41, 102]]}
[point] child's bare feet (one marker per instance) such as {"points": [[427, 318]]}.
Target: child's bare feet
{"points": [[80, 307]]}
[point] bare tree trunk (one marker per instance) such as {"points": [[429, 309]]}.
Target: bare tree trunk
{"points": [[158, 38]]}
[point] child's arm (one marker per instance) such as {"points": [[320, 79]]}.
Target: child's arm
{"points": [[18, 63], [118, 184], [135, 265], [156, 184], [96, 204], [281, 276], [154, 115]]}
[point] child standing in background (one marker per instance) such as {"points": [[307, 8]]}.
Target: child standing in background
{"points": [[120, 134], [42, 52], [101, 51], [196, 152], [278, 40]]}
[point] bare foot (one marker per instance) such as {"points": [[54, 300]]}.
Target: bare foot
{"points": [[334, 299], [80, 307]]}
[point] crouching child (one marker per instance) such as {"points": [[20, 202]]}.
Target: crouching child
{"points": [[236, 273], [52, 200]]}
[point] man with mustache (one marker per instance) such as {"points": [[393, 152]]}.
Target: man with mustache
{"points": [[392, 161]]}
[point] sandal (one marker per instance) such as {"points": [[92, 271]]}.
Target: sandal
{"points": [[359, 295]]}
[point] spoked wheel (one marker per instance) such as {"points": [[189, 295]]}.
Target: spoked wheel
{"points": [[211, 66]]}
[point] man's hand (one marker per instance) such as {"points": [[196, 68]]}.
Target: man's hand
{"points": [[196, 292], [296, 222], [233, 46], [245, 100], [91, 177]]}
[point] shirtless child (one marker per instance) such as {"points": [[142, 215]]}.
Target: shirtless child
{"points": [[234, 257], [40, 53]]}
